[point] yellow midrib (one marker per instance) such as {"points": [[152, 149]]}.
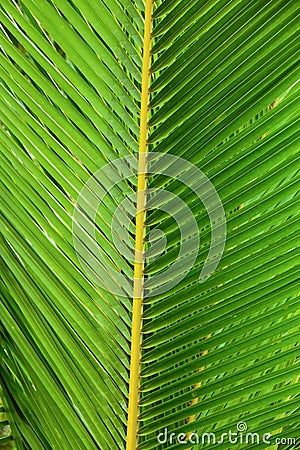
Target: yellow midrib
{"points": [[137, 312]]}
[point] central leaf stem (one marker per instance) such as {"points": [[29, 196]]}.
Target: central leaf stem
{"points": [[138, 291]]}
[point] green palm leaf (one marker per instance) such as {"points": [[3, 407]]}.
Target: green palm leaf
{"points": [[103, 349]]}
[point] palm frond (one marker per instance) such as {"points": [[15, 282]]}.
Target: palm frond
{"points": [[102, 349]]}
